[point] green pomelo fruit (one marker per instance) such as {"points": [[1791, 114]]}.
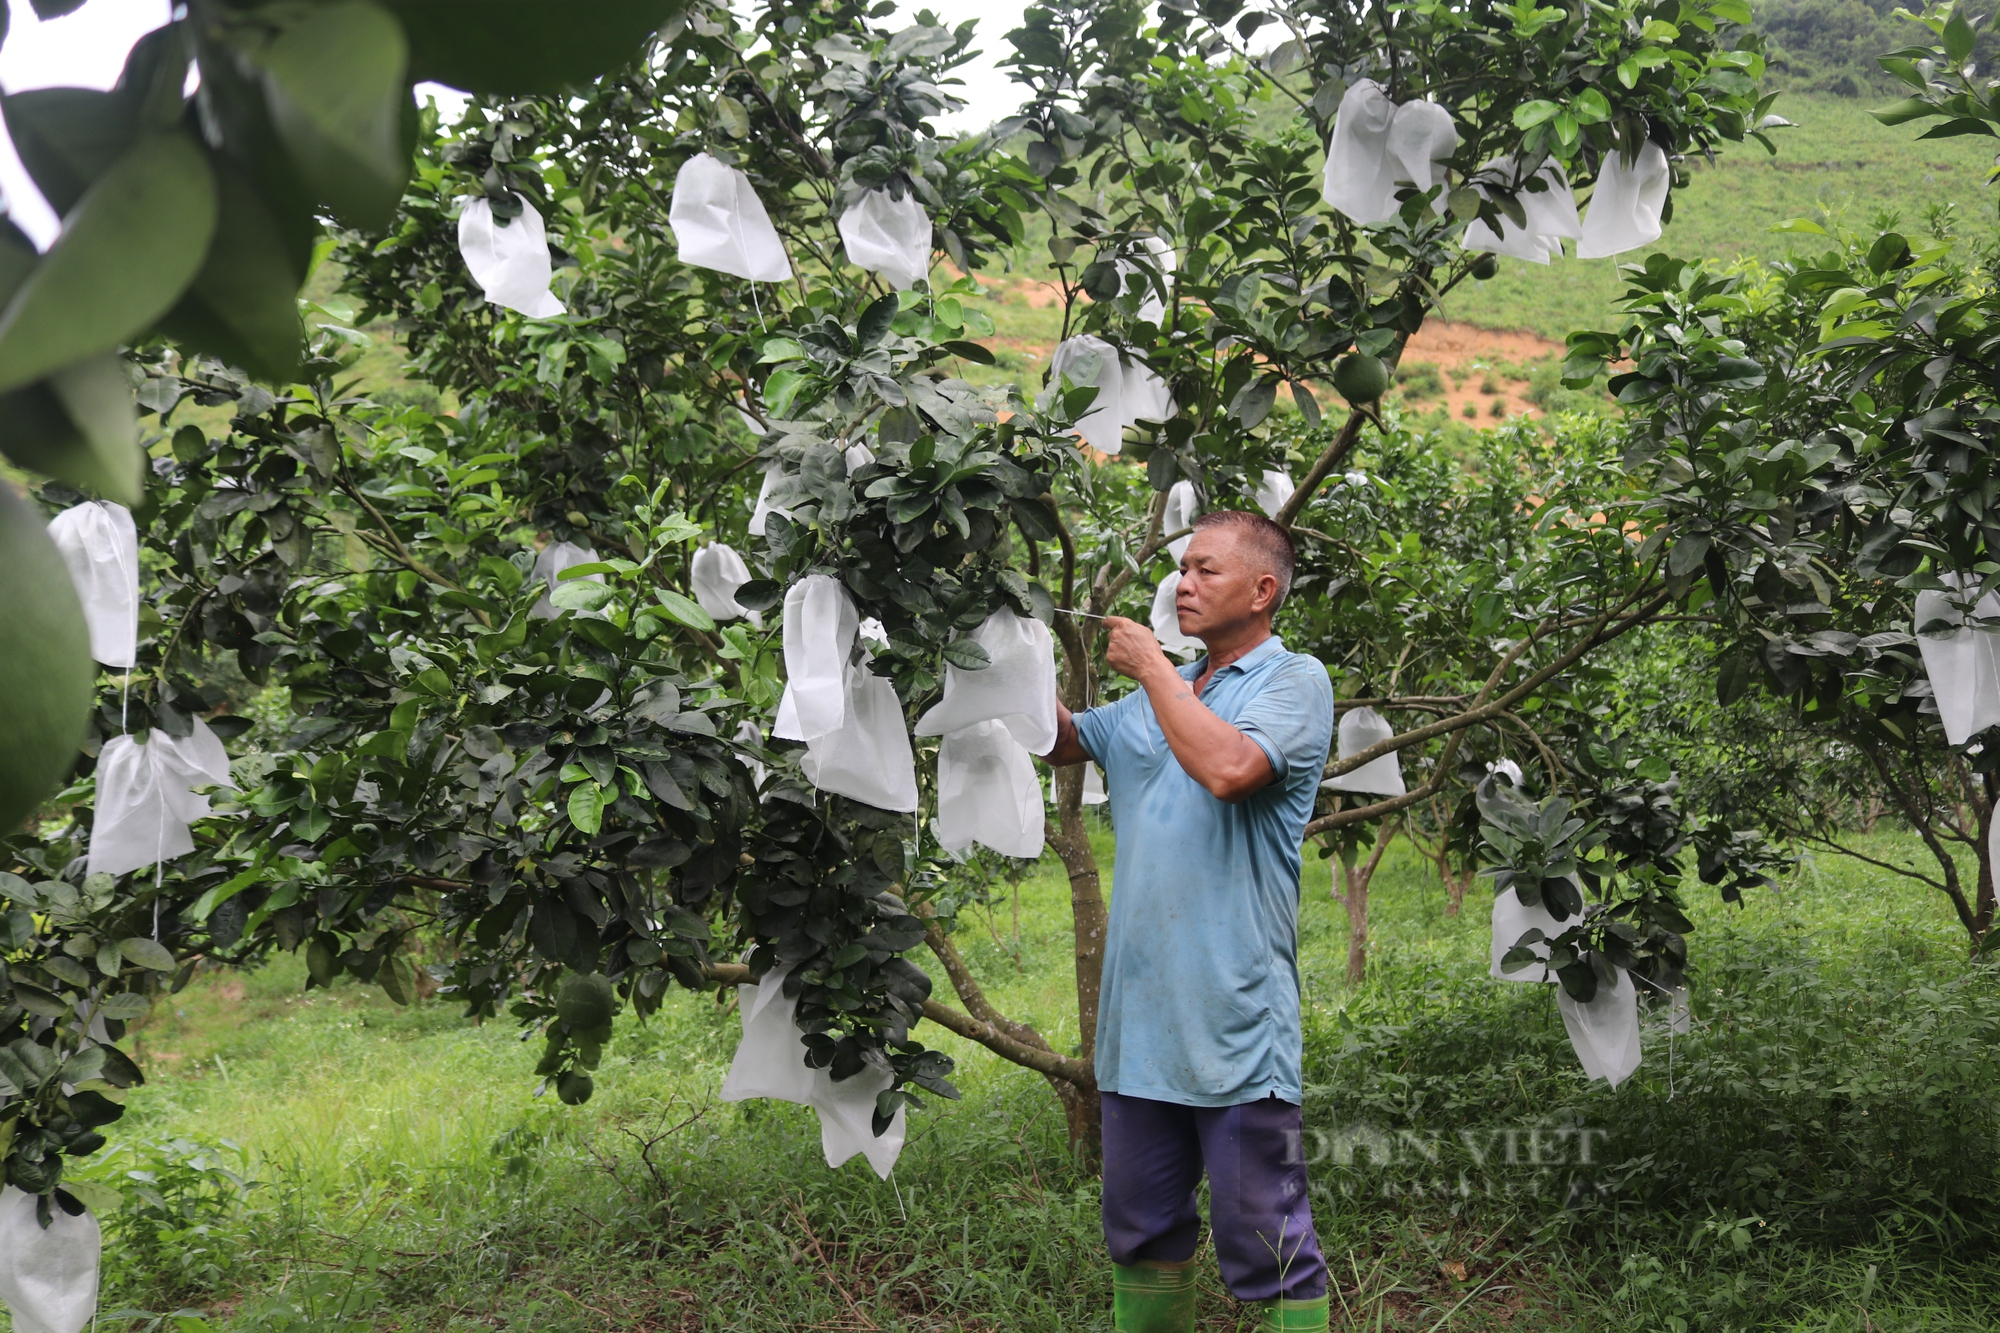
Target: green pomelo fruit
{"points": [[586, 1003], [1361, 378], [1485, 267], [46, 675]]}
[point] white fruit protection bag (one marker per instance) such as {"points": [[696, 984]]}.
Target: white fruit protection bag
{"points": [[48, 1278], [1016, 688], [1164, 259], [1605, 1032], [1550, 214], [1360, 728], [510, 263], [1273, 491], [770, 1062], [1377, 146], [145, 797], [889, 236], [1093, 786], [849, 717], [1964, 667], [1625, 207], [550, 563], [1127, 391], [100, 544], [1167, 622], [987, 792], [1183, 507], [820, 627], [1512, 919], [716, 572], [720, 223], [764, 507]]}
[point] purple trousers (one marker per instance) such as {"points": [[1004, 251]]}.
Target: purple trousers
{"points": [[1261, 1220]]}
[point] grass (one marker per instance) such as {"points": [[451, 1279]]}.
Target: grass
{"points": [[409, 1180], [1837, 164]]}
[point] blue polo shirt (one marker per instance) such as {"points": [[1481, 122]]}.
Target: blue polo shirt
{"points": [[1200, 1002]]}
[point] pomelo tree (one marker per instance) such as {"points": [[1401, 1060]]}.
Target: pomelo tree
{"points": [[574, 793]]}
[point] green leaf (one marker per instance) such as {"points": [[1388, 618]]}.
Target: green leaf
{"points": [[687, 612], [127, 251], [1910, 108], [149, 954], [68, 137], [93, 444], [243, 306], [874, 323], [586, 807], [1530, 114], [334, 83], [525, 46], [967, 655], [1959, 39]]}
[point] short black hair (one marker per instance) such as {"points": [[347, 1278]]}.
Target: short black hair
{"points": [[1272, 541]]}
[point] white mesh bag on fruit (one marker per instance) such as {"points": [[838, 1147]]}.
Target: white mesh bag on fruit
{"points": [[770, 1062], [1127, 391], [550, 563], [1163, 260], [889, 236], [1626, 206], [1360, 728], [48, 1277], [1167, 622], [511, 262], [1549, 215], [1093, 786], [100, 544], [1183, 507], [716, 572], [1377, 145], [847, 1119], [1272, 492], [1605, 1032], [1016, 688], [820, 626], [987, 792], [145, 797], [868, 756], [1512, 919], [720, 223], [1964, 666]]}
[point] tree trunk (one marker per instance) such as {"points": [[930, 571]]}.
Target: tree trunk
{"points": [[1087, 910], [1355, 900]]}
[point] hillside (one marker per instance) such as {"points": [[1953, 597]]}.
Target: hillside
{"points": [[1837, 165]]}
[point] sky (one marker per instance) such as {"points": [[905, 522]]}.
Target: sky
{"points": [[86, 49]]}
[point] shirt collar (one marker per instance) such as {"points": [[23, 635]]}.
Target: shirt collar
{"points": [[1271, 647]]}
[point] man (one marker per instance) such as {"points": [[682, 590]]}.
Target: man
{"points": [[1212, 770]]}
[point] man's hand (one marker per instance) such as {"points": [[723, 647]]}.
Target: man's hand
{"points": [[1133, 651]]}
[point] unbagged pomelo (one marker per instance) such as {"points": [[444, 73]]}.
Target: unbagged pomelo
{"points": [[586, 1003], [1361, 378], [46, 676]]}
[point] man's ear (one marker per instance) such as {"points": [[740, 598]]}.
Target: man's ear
{"points": [[1266, 593]]}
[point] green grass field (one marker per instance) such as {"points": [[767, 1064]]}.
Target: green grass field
{"points": [[407, 1179], [1838, 164]]}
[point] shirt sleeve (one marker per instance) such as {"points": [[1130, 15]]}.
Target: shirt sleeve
{"points": [[1096, 726], [1291, 718]]}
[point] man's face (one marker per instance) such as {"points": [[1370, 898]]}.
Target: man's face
{"points": [[1225, 584]]}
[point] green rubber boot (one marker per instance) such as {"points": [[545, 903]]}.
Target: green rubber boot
{"points": [[1283, 1316], [1155, 1297]]}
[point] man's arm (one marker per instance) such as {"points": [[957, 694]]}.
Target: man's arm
{"points": [[1069, 746], [1218, 756]]}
